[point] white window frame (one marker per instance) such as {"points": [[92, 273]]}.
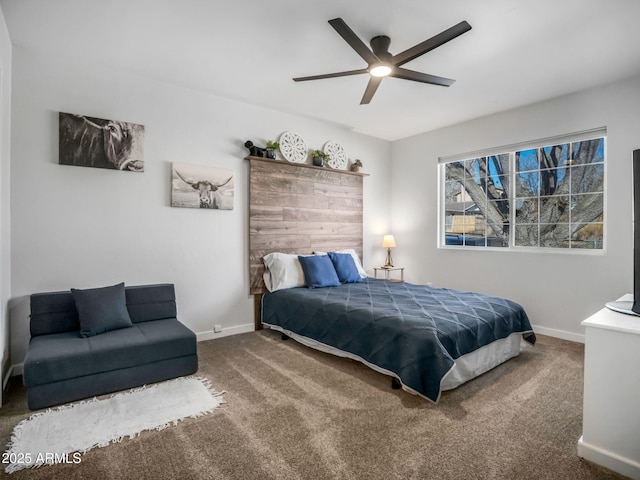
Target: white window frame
{"points": [[511, 150]]}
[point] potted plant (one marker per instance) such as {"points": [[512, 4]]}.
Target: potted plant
{"points": [[271, 148], [318, 157]]}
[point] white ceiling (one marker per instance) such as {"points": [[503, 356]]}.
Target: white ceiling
{"points": [[517, 53]]}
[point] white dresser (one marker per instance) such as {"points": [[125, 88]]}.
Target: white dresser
{"points": [[611, 418]]}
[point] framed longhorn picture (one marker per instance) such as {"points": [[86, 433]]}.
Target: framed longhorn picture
{"points": [[97, 142], [195, 186]]}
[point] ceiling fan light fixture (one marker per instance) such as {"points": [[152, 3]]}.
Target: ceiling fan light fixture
{"points": [[381, 63], [380, 70]]}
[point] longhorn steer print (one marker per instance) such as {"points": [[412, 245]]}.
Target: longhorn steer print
{"points": [[96, 142], [207, 190]]}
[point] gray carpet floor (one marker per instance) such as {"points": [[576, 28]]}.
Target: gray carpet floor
{"points": [[294, 413]]}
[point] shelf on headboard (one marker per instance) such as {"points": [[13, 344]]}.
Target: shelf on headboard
{"points": [[304, 165]]}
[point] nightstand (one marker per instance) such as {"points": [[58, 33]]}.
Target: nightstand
{"points": [[387, 273]]}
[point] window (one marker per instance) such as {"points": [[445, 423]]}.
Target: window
{"points": [[548, 196]]}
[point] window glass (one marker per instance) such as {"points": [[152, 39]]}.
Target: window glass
{"points": [[476, 202], [527, 160], [554, 156], [551, 196]]}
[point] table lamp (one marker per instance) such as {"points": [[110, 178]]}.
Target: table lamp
{"points": [[388, 242]]}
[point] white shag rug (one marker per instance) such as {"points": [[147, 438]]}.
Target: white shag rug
{"points": [[60, 435]]}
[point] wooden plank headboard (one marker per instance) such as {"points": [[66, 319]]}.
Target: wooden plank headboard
{"points": [[299, 208]]}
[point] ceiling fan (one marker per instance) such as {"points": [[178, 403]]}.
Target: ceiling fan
{"points": [[380, 63]]}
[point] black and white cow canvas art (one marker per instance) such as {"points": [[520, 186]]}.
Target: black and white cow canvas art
{"points": [[196, 186], [97, 142]]}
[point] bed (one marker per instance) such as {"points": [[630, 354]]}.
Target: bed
{"points": [[430, 339]]}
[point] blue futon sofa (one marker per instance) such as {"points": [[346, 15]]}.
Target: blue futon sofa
{"points": [[65, 363]]}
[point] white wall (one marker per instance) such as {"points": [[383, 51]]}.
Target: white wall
{"points": [[5, 169], [557, 290], [86, 227]]}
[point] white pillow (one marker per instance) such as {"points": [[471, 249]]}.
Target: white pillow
{"points": [[356, 259], [283, 270]]}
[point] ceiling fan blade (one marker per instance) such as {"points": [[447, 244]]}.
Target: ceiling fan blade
{"points": [[421, 77], [331, 75], [353, 40], [428, 45], [372, 86]]}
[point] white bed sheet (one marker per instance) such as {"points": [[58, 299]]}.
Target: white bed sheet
{"points": [[465, 368]]}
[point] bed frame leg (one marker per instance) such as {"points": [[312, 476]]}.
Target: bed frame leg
{"points": [[284, 337], [395, 384]]}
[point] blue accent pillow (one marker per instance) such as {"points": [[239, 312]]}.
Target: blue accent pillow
{"points": [[101, 309], [318, 271], [345, 267]]}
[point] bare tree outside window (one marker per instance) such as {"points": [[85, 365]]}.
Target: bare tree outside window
{"points": [[550, 197]]}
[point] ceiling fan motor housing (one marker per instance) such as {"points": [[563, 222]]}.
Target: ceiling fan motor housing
{"points": [[380, 47]]}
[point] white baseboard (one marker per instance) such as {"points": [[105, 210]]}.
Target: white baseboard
{"points": [[210, 334], [17, 369], [249, 327], [6, 378], [552, 332], [14, 371], [610, 460]]}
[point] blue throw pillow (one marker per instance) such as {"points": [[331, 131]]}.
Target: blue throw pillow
{"points": [[318, 271], [345, 267], [101, 309]]}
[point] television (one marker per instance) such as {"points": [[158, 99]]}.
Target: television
{"points": [[632, 307]]}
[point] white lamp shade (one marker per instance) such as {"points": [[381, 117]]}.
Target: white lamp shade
{"points": [[388, 241]]}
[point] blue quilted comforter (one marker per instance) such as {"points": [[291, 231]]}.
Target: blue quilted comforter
{"points": [[413, 331]]}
